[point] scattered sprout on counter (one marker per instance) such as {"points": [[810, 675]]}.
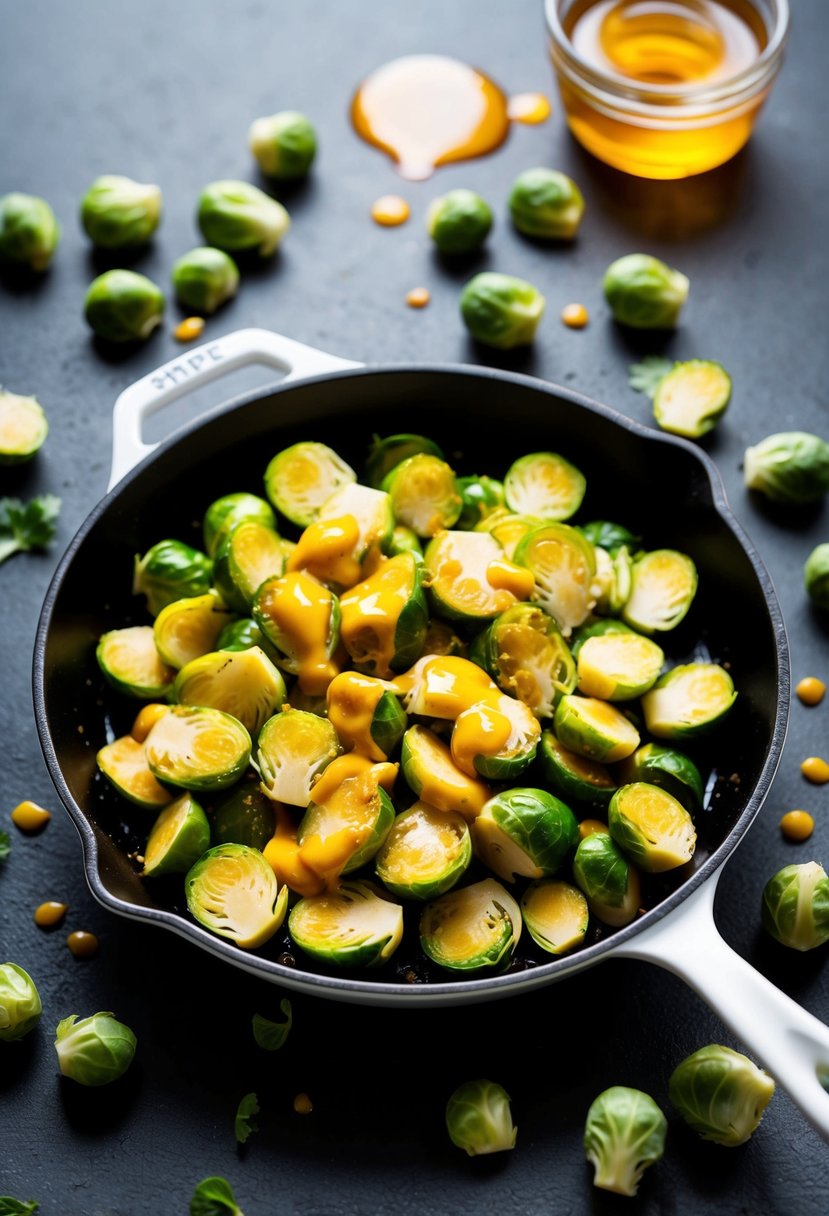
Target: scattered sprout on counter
{"points": [[245, 1124], [123, 306], [204, 279], [644, 293], [95, 1050], [118, 213], [29, 232], [214, 1197], [790, 467], [237, 217], [27, 525], [459, 222], [20, 1006], [720, 1094], [23, 427], [688, 398], [5, 846], [816, 576], [795, 906], [624, 1134], [797, 825], [269, 1035], [479, 1119], [501, 310], [284, 145], [546, 203]]}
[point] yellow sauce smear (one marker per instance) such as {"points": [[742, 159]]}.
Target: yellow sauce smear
{"points": [[326, 550], [449, 686], [529, 108], [371, 610], [418, 297], [390, 211], [49, 914], [282, 855], [29, 817], [300, 607], [575, 316], [82, 944], [505, 576], [352, 700], [482, 730], [347, 818]]}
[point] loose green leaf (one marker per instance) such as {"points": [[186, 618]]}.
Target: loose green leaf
{"points": [[17, 1207], [270, 1036], [5, 849], [245, 1123], [29, 525], [214, 1197], [645, 376]]}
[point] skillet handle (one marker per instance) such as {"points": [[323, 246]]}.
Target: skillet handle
{"points": [[197, 367], [791, 1043]]}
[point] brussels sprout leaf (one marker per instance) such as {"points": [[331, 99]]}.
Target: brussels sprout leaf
{"points": [[17, 1207], [270, 1036], [214, 1197], [645, 376], [28, 525], [245, 1123], [5, 849]]}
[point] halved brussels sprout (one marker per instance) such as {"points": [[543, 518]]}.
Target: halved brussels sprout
{"points": [[244, 816], [300, 478], [171, 570], [651, 826], [233, 892], [283, 144], [404, 540], [432, 775], [301, 618], [224, 513], [688, 700], [563, 564], [501, 310], [355, 926], [663, 587], [616, 664], [327, 550], [20, 1004], [190, 627], [692, 397], [789, 467], [472, 928], [340, 834], [124, 763], [479, 1119], [129, 660], [556, 915], [370, 508], [508, 529], [384, 619], [609, 882], [670, 770], [204, 279], [546, 203], [366, 714], [122, 306], [425, 853], [293, 748], [816, 576], [614, 579], [594, 729], [29, 232], [198, 748], [721, 1094], [525, 654], [497, 738], [572, 775], [544, 485], [644, 293], [23, 427], [524, 833], [243, 683], [443, 686], [237, 217], [250, 553], [795, 906], [480, 496], [241, 634], [624, 1133], [177, 839], [611, 536], [469, 578], [424, 494], [385, 454], [459, 222], [117, 212]]}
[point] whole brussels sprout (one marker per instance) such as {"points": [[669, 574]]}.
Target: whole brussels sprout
{"points": [[789, 467], [816, 576], [459, 222], [204, 279], [624, 1133], [479, 1120], [236, 216], [94, 1050], [795, 906], [721, 1094], [20, 1006], [645, 293], [29, 232], [283, 144], [117, 212], [171, 570], [122, 306], [546, 203], [500, 310]]}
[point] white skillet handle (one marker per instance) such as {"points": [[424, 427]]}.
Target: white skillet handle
{"points": [[791, 1043], [199, 366]]}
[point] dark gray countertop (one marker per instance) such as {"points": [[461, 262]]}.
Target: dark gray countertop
{"points": [[165, 93]]}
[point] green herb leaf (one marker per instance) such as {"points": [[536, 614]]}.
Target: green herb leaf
{"points": [[29, 525], [270, 1036], [5, 849], [214, 1197], [245, 1123], [645, 376], [17, 1207]]}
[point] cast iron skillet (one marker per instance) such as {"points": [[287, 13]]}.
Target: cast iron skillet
{"points": [[660, 486]]}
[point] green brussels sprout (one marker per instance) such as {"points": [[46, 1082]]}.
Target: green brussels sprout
{"points": [[524, 832], [20, 1006], [23, 427], [191, 627], [404, 540], [29, 232], [432, 775], [546, 203], [370, 509], [574, 776], [459, 222], [479, 1119], [424, 494], [122, 306], [692, 397], [472, 928], [480, 497], [545, 486], [616, 664], [457, 565], [347, 830], [556, 915], [614, 579], [117, 212], [475, 751], [593, 729], [688, 700], [197, 748], [131, 663], [204, 279], [124, 764], [527, 657], [610, 536], [651, 827], [670, 770], [243, 683], [425, 853], [233, 891], [721, 1094], [663, 586], [816, 576], [609, 882], [177, 838], [386, 454], [241, 634], [294, 748], [224, 513], [244, 816], [645, 293], [237, 217], [796, 906], [790, 467], [355, 926], [304, 644], [624, 1133], [563, 565], [171, 570], [249, 553], [299, 479], [384, 618], [95, 1050], [500, 310], [284, 145]]}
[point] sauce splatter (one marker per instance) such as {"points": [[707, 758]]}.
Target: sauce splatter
{"points": [[797, 825], [390, 210], [30, 817], [418, 297], [528, 108], [815, 769], [575, 316], [810, 690], [189, 329], [303, 1104], [82, 944], [49, 914]]}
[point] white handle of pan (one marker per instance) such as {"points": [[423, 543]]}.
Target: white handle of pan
{"points": [[199, 366], [789, 1042]]}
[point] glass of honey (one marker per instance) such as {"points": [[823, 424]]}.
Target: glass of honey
{"points": [[665, 88]]}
